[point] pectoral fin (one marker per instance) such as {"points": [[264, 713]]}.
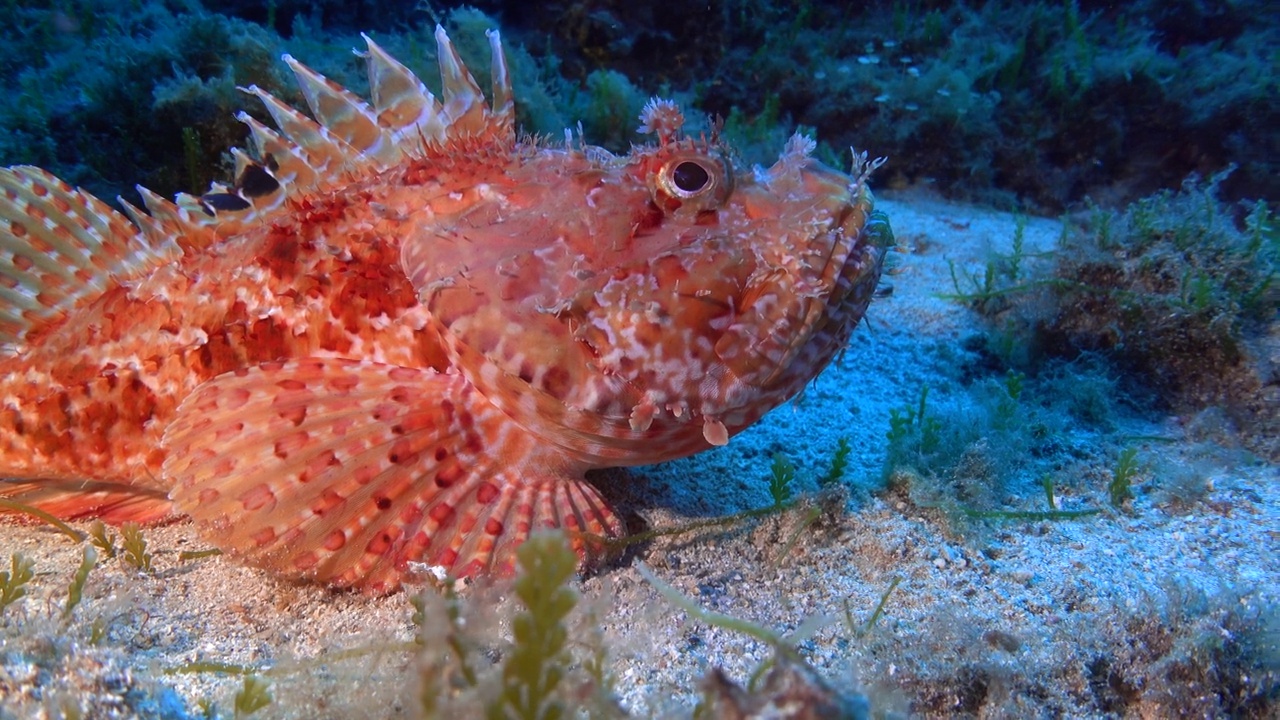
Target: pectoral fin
{"points": [[345, 472]]}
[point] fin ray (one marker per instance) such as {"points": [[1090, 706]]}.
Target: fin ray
{"points": [[113, 503], [343, 114], [60, 246], [345, 471]]}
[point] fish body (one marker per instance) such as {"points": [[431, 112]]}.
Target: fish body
{"points": [[404, 334]]}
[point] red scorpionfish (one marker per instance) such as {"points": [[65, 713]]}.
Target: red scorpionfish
{"points": [[405, 332]]}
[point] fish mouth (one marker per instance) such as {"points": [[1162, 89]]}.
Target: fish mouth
{"points": [[845, 203], [816, 277], [836, 191], [847, 252]]}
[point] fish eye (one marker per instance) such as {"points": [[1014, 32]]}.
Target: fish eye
{"points": [[690, 177], [692, 181]]}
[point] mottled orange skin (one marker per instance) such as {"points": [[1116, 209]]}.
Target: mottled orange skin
{"points": [[92, 394], [418, 358]]}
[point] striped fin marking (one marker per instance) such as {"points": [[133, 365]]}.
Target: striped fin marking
{"points": [[59, 246], [349, 138]]}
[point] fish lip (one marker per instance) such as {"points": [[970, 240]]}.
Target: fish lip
{"points": [[855, 258]]}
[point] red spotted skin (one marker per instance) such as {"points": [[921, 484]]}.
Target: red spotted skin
{"points": [[92, 394]]}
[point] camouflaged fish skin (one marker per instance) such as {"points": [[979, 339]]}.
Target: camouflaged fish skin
{"points": [[404, 333]]}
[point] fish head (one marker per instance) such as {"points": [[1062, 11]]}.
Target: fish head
{"points": [[635, 308]]}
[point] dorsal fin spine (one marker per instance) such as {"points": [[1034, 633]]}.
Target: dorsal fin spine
{"points": [[462, 100], [402, 101], [326, 154], [156, 233], [294, 168], [504, 109], [178, 222], [344, 115]]}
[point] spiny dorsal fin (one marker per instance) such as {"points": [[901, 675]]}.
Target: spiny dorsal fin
{"points": [[464, 105], [403, 103], [504, 106], [293, 168], [411, 112], [344, 115], [328, 153], [59, 246], [348, 139], [183, 223]]}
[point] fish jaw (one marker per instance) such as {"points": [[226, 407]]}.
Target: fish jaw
{"points": [[627, 320], [808, 293]]}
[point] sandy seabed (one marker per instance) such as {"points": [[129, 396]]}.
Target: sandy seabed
{"points": [[1167, 610]]}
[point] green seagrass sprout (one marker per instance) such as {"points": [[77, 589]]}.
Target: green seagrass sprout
{"points": [[839, 463], [13, 582], [102, 539], [781, 472], [1121, 485], [540, 659], [254, 695], [75, 591], [135, 547]]}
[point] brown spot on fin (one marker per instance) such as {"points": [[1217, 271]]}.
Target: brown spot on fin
{"points": [[345, 471], [113, 503], [254, 180]]}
